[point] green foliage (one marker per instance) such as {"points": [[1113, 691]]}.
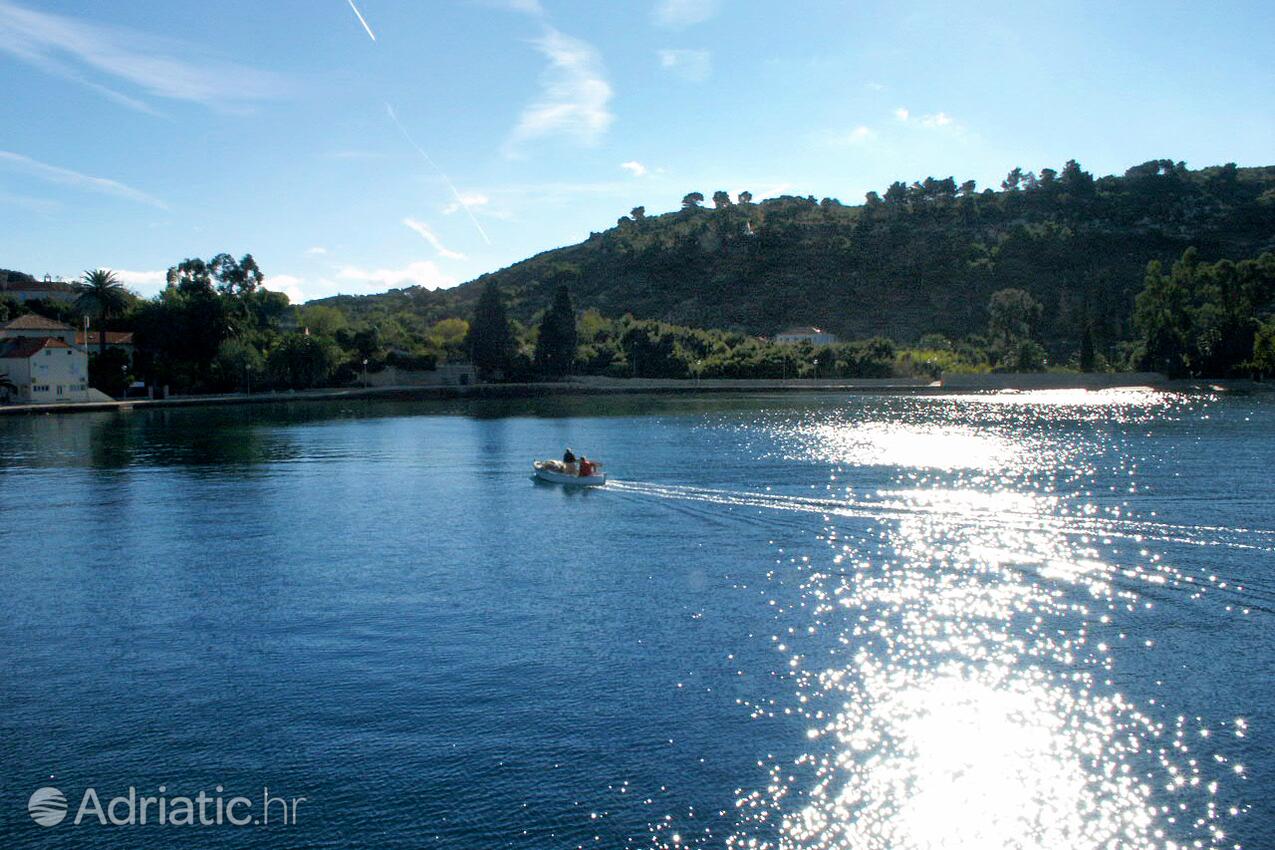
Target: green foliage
{"points": [[1203, 319], [491, 340], [322, 320], [557, 338], [102, 297], [1013, 317], [926, 258], [1264, 350], [239, 365], [109, 371], [301, 362]]}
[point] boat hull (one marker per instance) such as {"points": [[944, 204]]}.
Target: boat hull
{"points": [[553, 477]]}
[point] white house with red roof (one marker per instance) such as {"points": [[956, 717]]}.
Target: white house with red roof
{"points": [[39, 358]]}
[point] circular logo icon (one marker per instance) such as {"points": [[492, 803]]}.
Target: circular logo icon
{"points": [[47, 806]]}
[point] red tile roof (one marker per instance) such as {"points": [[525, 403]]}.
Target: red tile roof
{"points": [[112, 337], [33, 322], [24, 347]]}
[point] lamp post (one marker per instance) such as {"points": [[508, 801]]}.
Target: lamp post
{"points": [[816, 368], [364, 373]]}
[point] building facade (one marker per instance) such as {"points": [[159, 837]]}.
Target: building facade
{"points": [[23, 289], [814, 336], [39, 358]]}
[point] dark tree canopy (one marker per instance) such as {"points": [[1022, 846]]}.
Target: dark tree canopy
{"points": [[491, 338], [557, 339]]}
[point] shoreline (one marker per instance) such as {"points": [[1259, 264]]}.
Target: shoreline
{"points": [[962, 384]]}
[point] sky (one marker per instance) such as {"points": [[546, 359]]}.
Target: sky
{"points": [[354, 146]]}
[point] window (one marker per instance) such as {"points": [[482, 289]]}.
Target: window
{"points": [[39, 388]]}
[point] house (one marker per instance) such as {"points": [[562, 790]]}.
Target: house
{"points": [[812, 335], [44, 369], [23, 288], [123, 340], [31, 326]]}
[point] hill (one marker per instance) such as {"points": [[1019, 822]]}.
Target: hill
{"points": [[915, 259]]}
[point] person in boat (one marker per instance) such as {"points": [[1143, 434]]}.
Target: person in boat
{"points": [[587, 467], [569, 462]]}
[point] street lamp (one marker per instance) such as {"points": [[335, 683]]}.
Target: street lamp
{"points": [[364, 373], [816, 368]]}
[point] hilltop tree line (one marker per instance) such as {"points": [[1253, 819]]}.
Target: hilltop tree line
{"points": [[1162, 268], [913, 258]]}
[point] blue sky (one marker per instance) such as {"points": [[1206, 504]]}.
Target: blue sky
{"points": [[469, 134]]}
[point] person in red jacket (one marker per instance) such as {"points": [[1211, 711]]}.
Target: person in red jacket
{"points": [[586, 467]]}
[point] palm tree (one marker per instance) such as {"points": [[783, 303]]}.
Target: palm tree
{"points": [[7, 387], [103, 297]]}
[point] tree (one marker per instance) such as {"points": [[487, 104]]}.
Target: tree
{"points": [[1088, 359], [639, 214], [1263, 350], [301, 361], [1161, 319], [721, 200], [556, 342], [102, 297], [235, 277], [745, 197], [1013, 180], [491, 340], [1012, 317], [692, 200], [7, 387]]}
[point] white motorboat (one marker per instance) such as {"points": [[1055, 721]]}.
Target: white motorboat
{"points": [[555, 472]]}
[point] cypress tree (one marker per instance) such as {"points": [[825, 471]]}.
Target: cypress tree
{"points": [[491, 337], [556, 344]]}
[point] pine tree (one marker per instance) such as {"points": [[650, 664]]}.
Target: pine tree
{"points": [[491, 337], [556, 345]]}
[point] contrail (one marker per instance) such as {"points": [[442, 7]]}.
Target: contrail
{"points": [[450, 185], [362, 20]]}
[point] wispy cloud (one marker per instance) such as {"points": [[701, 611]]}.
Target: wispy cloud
{"points": [[634, 167], [859, 134], [693, 65], [931, 121], [679, 14], [142, 282], [74, 179], [362, 20], [43, 206], [425, 232], [316, 250], [574, 95], [466, 200], [420, 273], [157, 66], [527, 7], [430, 160]]}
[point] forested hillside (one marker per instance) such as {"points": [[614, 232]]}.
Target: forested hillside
{"points": [[915, 259]]}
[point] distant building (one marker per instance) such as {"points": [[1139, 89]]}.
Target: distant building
{"points": [[123, 340], [31, 326], [812, 335], [23, 288], [44, 370]]}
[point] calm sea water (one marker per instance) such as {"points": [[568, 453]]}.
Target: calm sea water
{"points": [[1039, 620]]}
